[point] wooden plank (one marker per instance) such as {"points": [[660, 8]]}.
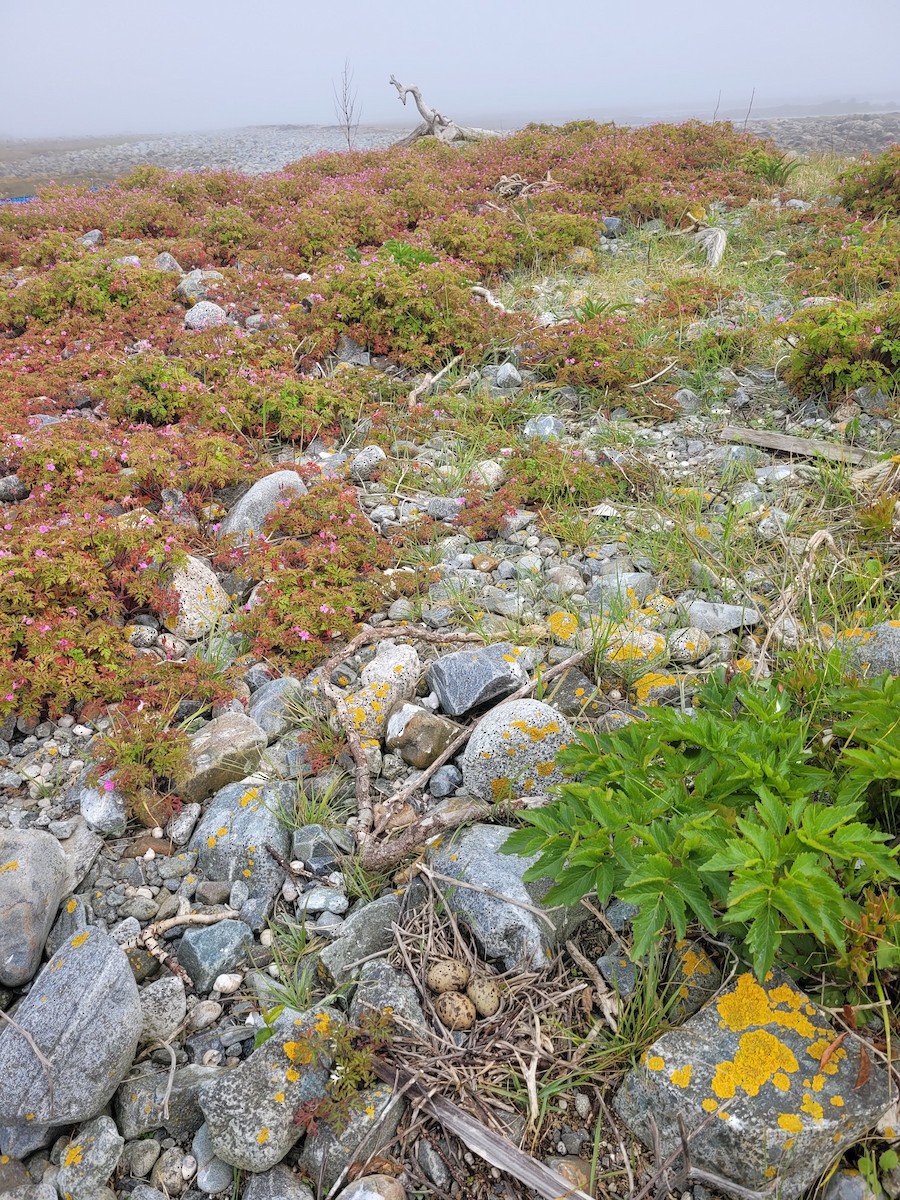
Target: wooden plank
{"points": [[802, 447], [494, 1149]]}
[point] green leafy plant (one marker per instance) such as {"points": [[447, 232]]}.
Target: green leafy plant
{"points": [[720, 817], [841, 347], [873, 186], [771, 166]]}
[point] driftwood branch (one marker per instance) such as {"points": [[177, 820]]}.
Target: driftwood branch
{"points": [[436, 124], [802, 447]]}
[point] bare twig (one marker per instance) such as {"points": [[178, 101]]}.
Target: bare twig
{"points": [[148, 938], [46, 1065], [605, 999], [422, 389]]}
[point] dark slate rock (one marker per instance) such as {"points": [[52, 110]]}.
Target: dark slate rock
{"points": [[468, 678], [208, 950]]}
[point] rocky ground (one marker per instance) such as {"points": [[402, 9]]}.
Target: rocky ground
{"points": [[27, 165], [183, 1003]]}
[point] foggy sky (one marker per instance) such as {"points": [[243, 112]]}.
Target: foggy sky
{"points": [[77, 67]]}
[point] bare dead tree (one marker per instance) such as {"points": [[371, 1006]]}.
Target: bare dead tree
{"points": [[346, 105], [434, 123]]}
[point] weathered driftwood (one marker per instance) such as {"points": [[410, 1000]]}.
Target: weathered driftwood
{"points": [[803, 447], [434, 123]]}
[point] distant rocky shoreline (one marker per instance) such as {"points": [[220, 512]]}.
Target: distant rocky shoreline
{"points": [[28, 164]]}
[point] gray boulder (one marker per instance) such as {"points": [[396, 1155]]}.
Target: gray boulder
{"points": [[223, 752], [166, 262], [872, 651], [163, 1008], [365, 932], [503, 928], [140, 1104], [513, 750], [384, 989], [720, 618], [547, 427], [205, 315], [366, 462], [274, 706], [250, 1110], [750, 1059], [84, 1014], [33, 880], [208, 951], [467, 678], [202, 601], [279, 1183], [193, 287], [106, 811], [248, 516], [418, 735], [231, 842]]}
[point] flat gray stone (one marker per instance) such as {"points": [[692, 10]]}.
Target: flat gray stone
{"points": [[370, 1129], [465, 679], [750, 1058], [367, 931], [225, 751], [105, 810], [205, 315], [366, 462], [84, 1014], [163, 1008], [140, 1101], [231, 840], [720, 618], [248, 516], [274, 706], [279, 1183], [207, 951], [89, 1159], [213, 1175], [513, 751], [384, 989], [33, 880], [872, 651], [250, 1110], [502, 927]]}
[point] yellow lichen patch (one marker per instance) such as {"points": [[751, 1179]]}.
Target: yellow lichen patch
{"points": [[760, 1054], [818, 1048], [72, 1156], [72, 905], [211, 841], [263, 1136], [655, 1063], [781, 1081], [292, 1074], [812, 1107], [694, 961], [537, 733], [681, 1077], [501, 789], [562, 625], [370, 1111], [818, 1082], [770, 1172], [249, 796], [790, 1123], [750, 1004], [79, 939], [838, 1102], [12, 865], [323, 1023], [709, 1105], [653, 681], [279, 1097], [545, 769], [298, 1052]]}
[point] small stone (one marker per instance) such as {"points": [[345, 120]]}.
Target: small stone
{"points": [[213, 1175], [370, 706], [547, 427], [366, 462], [374, 1187], [33, 880], [720, 618], [225, 751], [138, 1157], [445, 781], [369, 1131], [688, 645], [489, 474], [277, 1184], [89, 1160], [202, 601], [277, 706], [165, 262], [574, 1170], [166, 1173], [208, 950], [619, 972], [205, 1013], [163, 1006], [419, 735], [94, 237], [153, 1099], [505, 931], [385, 989], [695, 978], [205, 315], [508, 376], [366, 932], [467, 678], [395, 664], [248, 516]]}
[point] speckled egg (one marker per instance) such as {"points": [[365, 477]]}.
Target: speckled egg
{"points": [[485, 995], [447, 975], [455, 1011]]}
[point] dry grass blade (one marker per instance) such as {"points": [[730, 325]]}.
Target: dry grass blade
{"points": [[46, 1065], [495, 1149]]}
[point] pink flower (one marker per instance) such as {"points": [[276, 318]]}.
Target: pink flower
{"points": [[50, 466], [108, 785]]}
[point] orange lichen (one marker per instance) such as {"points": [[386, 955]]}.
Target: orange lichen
{"points": [[655, 1063], [263, 1136], [79, 939], [681, 1077], [759, 1056], [750, 1004], [72, 1156], [790, 1122], [812, 1107]]}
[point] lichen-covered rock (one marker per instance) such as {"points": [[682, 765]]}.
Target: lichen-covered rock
{"points": [[504, 928], [225, 751], [89, 1160], [141, 1102], [575, 695], [248, 516], [872, 651], [370, 707], [620, 589], [418, 735], [688, 645], [656, 687], [631, 652], [367, 461], [695, 978], [467, 678], [33, 881], [369, 1130], [231, 841], [250, 1110], [205, 315], [213, 1175], [202, 601], [513, 751], [374, 1187], [760, 1061], [396, 664], [84, 1014]]}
